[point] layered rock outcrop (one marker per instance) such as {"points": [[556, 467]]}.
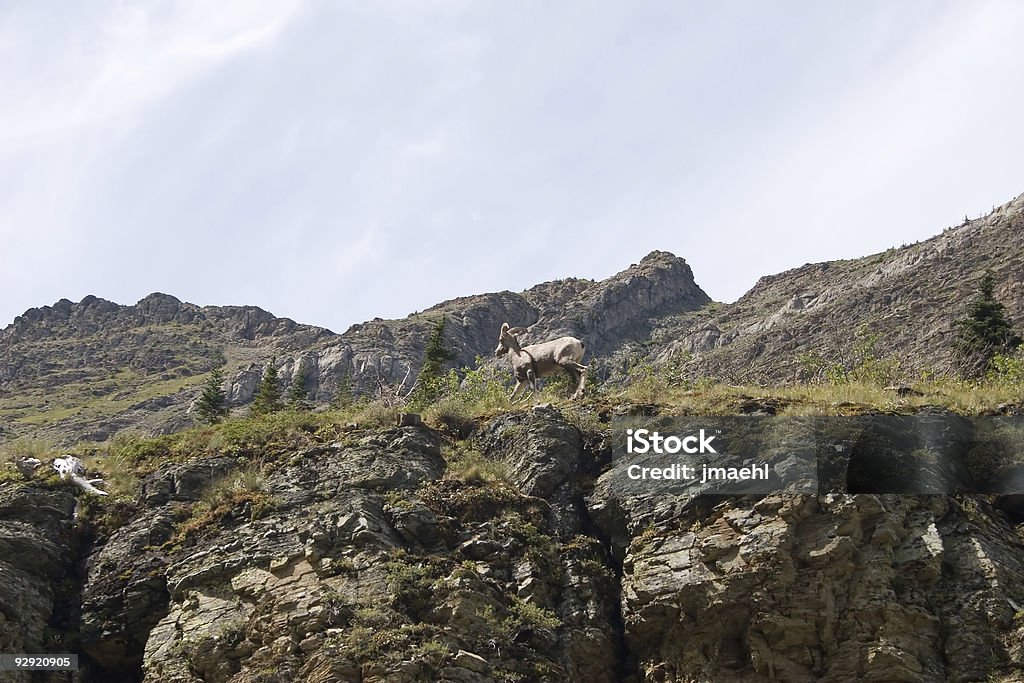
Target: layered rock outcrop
{"points": [[382, 557], [38, 575], [367, 566]]}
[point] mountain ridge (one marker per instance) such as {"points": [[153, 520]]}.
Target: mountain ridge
{"points": [[57, 361], [76, 347]]}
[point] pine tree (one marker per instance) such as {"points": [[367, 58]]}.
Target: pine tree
{"points": [[435, 355], [344, 397], [298, 395], [268, 395], [986, 331], [212, 406]]}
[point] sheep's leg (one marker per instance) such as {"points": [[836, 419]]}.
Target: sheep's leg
{"points": [[581, 383], [574, 373], [515, 390], [531, 379]]}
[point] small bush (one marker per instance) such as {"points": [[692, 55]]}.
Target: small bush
{"points": [[246, 486], [469, 465], [862, 363], [477, 392], [646, 384], [413, 585], [433, 651], [1006, 370], [521, 614]]}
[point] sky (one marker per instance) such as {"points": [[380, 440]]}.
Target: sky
{"points": [[336, 161]]}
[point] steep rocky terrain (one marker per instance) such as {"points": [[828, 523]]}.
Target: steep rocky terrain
{"points": [[375, 554], [91, 369], [502, 546], [911, 297]]}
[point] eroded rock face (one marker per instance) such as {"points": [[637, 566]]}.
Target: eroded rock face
{"points": [[910, 296], [366, 560], [812, 588], [37, 572], [370, 566]]}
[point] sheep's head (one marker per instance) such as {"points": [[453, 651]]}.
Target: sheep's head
{"points": [[507, 341]]}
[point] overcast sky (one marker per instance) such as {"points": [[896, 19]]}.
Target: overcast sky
{"points": [[332, 162]]}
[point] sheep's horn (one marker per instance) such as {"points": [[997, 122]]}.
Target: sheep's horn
{"points": [[504, 327], [517, 330]]}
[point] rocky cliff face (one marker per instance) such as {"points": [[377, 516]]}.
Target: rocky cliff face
{"points": [[340, 553], [911, 297], [93, 368], [817, 588], [39, 548], [378, 556]]}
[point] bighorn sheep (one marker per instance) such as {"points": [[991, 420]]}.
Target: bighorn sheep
{"points": [[530, 363]]}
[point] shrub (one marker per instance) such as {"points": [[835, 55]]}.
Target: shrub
{"points": [[521, 614], [413, 585], [245, 486], [861, 363], [1006, 370], [478, 391], [646, 383]]}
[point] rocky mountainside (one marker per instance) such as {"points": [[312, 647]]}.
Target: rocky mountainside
{"points": [[321, 547], [910, 297], [376, 555], [93, 368]]}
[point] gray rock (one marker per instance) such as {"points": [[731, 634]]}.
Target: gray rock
{"points": [[37, 552]]}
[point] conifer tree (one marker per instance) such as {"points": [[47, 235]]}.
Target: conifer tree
{"points": [[435, 355], [298, 395], [986, 331], [344, 396], [268, 394], [212, 406]]}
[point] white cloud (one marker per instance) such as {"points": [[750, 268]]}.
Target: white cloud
{"points": [[78, 72], [76, 85], [336, 161]]}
